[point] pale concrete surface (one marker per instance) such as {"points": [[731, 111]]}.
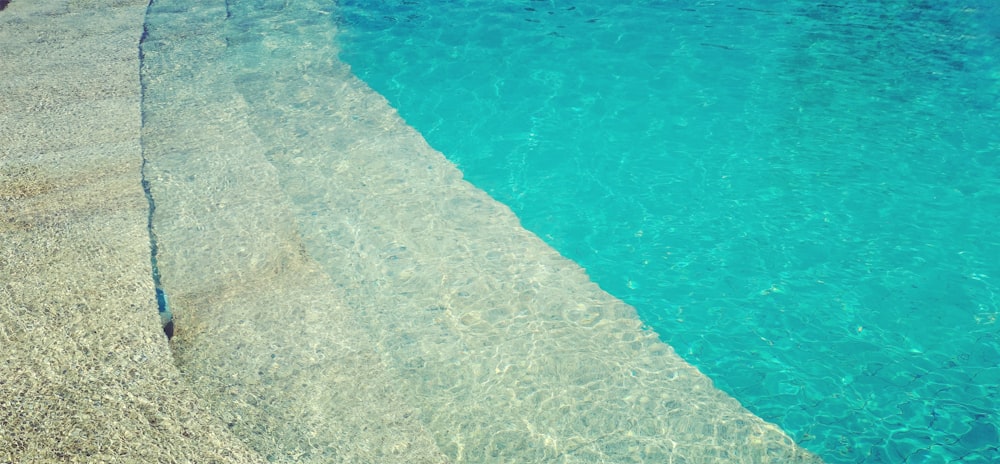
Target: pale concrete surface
{"points": [[410, 319], [342, 295], [86, 374]]}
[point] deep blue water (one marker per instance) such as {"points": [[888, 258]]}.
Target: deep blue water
{"points": [[802, 198]]}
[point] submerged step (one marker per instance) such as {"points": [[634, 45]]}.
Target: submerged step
{"points": [[262, 333], [87, 375], [331, 272]]}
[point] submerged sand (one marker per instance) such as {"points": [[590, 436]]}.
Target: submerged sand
{"points": [[341, 294]]}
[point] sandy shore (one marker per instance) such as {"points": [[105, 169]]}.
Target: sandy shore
{"points": [[87, 375]]}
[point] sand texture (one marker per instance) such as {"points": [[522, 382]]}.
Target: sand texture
{"points": [[86, 375]]}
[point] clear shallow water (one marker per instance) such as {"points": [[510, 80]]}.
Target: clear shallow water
{"points": [[803, 199], [342, 295]]}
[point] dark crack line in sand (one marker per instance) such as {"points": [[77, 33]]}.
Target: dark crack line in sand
{"points": [[166, 318]]}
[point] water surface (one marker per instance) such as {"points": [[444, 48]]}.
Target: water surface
{"points": [[802, 198]]}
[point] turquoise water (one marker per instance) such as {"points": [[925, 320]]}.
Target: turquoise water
{"points": [[803, 199]]}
